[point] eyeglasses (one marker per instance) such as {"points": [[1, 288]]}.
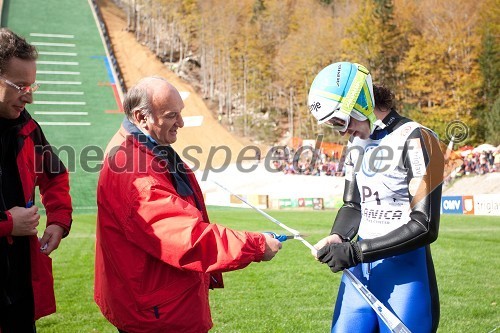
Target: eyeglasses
{"points": [[338, 121], [23, 90]]}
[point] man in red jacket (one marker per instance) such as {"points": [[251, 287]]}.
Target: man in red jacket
{"points": [[26, 161], [157, 254]]}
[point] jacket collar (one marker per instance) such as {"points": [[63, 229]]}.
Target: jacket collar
{"points": [[15, 124], [166, 152], [392, 121]]}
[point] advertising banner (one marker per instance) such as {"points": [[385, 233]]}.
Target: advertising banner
{"points": [[479, 204], [468, 204], [314, 203], [451, 205], [487, 204]]}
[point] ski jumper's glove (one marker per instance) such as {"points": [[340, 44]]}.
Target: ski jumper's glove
{"points": [[340, 255]]}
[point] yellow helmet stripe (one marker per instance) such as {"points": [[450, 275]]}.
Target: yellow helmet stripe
{"points": [[354, 90]]}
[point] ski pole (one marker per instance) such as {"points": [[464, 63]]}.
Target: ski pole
{"points": [[387, 316], [296, 234]]}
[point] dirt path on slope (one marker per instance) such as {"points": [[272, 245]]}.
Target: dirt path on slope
{"points": [[137, 61]]}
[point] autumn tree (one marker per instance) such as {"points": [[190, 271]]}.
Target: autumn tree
{"points": [[489, 60], [374, 40], [254, 60], [442, 77], [312, 44]]}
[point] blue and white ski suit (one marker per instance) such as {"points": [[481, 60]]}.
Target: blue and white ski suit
{"points": [[392, 204]]}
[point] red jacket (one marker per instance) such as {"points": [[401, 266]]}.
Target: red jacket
{"points": [[52, 179], [156, 252]]}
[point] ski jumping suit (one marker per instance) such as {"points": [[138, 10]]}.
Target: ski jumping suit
{"points": [[392, 202]]}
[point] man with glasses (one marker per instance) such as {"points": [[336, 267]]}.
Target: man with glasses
{"points": [[26, 161], [22, 90], [390, 216]]}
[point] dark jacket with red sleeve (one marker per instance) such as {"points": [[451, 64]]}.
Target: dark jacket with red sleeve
{"points": [[26, 161]]}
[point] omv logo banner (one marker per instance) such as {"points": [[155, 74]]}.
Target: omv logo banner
{"points": [[452, 205], [478, 204]]}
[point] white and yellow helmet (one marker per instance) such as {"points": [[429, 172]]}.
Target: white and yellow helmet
{"points": [[342, 90]]}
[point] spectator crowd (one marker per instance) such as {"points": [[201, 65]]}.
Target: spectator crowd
{"points": [[303, 162], [475, 163]]}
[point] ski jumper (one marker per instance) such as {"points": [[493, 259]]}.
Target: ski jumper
{"points": [[392, 203]]}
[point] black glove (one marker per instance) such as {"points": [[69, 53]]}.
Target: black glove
{"points": [[340, 255]]}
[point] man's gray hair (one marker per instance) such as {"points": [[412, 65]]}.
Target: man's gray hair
{"points": [[137, 98]]}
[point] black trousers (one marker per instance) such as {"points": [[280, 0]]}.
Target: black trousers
{"points": [[17, 318]]}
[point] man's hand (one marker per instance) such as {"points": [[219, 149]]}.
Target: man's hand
{"points": [[272, 247], [340, 255], [51, 238], [332, 239], [24, 220]]}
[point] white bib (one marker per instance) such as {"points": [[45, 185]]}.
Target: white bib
{"points": [[377, 166]]}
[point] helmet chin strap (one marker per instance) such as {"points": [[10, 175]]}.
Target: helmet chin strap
{"points": [[372, 119]]}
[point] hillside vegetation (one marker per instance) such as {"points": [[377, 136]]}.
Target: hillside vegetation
{"points": [[254, 60]]}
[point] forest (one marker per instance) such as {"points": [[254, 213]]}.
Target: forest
{"points": [[254, 60]]}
